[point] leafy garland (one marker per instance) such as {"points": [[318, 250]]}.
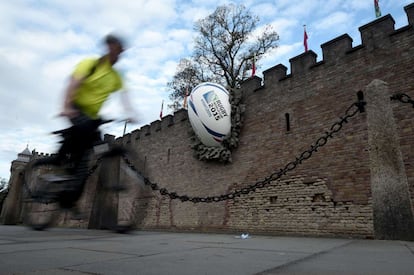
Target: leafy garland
{"points": [[223, 153]]}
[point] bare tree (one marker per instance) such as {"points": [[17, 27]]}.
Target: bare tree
{"points": [[3, 184], [187, 76], [226, 44]]}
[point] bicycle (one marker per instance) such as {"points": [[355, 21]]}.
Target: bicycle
{"points": [[55, 183]]}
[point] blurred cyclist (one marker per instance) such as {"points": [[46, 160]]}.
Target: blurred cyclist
{"points": [[90, 85]]}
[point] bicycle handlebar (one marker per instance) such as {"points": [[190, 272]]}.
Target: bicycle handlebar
{"points": [[97, 122]]}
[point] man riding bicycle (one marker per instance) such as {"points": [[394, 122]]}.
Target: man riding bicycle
{"points": [[90, 85]]}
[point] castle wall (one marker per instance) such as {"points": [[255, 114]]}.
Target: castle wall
{"points": [[330, 194]]}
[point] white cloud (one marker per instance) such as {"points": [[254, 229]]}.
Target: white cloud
{"points": [[43, 40], [286, 28], [264, 11], [340, 21]]}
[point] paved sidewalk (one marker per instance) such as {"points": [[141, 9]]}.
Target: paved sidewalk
{"points": [[79, 251]]}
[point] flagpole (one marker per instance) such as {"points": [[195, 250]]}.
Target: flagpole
{"points": [[185, 98], [254, 65], [125, 125], [162, 107], [305, 38]]}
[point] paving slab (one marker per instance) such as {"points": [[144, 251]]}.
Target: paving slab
{"points": [[83, 251]]}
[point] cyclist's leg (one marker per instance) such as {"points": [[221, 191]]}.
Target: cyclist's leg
{"points": [[82, 140]]}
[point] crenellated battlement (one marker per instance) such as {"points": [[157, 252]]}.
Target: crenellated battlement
{"points": [[409, 10], [336, 48], [36, 155], [331, 193], [375, 35], [300, 65], [154, 127]]}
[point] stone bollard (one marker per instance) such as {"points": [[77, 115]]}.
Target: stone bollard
{"points": [[393, 217]]}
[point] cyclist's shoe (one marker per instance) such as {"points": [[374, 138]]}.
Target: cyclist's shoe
{"points": [[123, 228]]}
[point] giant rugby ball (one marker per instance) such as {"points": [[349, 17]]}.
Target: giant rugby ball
{"points": [[209, 112]]}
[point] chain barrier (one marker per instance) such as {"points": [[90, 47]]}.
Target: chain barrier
{"points": [[94, 167], [355, 108], [403, 98]]}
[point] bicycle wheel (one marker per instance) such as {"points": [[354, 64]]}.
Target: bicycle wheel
{"points": [[40, 194]]}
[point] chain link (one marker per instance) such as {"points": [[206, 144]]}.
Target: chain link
{"points": [[94, 167], [403, 98], [355, 108]]}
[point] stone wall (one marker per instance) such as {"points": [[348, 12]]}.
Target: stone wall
{"points": [[329, 194], [2, 198]]}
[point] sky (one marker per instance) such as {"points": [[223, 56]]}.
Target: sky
{"points": [[43, 40]]}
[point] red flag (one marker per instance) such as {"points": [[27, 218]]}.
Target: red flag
{"points": [[162, 106], [377, 8], [305, 38], [185, 98], [254, 66]]}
